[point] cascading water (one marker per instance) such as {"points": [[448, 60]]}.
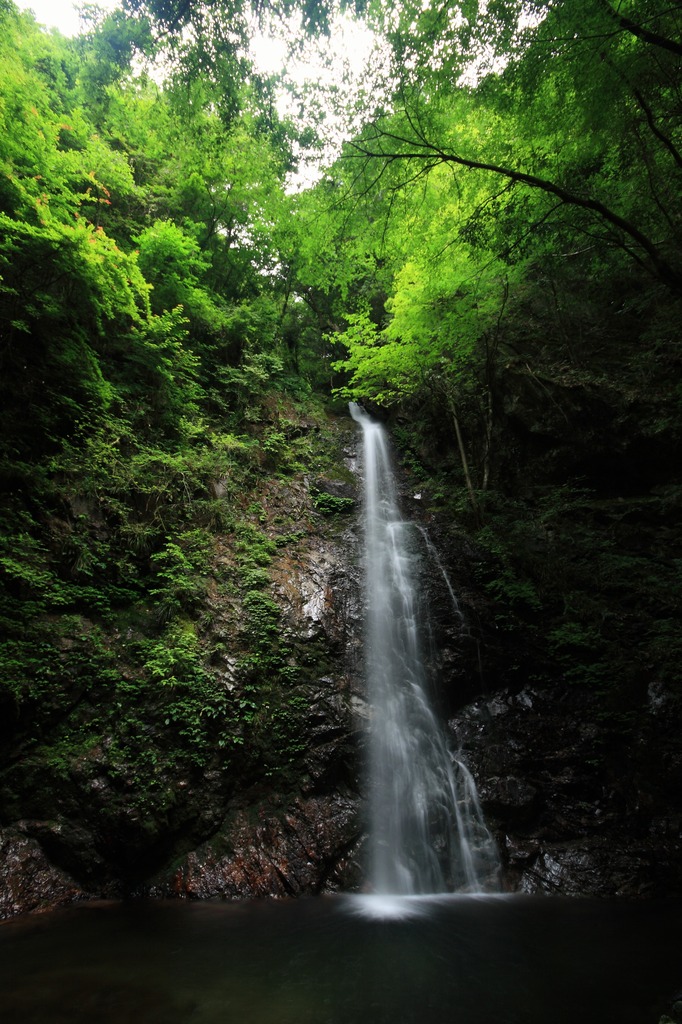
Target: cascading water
{"points": [[426, 830]]}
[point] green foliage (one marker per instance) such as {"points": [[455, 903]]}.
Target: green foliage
{"points": [[486, 245], [262, 617], [173, 262], [332, 504], [520, 160], [253, 548], [179, 569], [504, 575], [176, 662]]}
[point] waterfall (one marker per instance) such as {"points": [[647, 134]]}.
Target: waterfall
{"points": [[426, 830]]}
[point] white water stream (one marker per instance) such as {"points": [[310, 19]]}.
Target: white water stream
{"points": [[426, 830]]}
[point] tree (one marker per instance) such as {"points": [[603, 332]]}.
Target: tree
{"points": [[220, 17], [523, 165], [594, 118], [67, 286]]}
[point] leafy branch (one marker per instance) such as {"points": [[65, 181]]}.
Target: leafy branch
{"points": [[389, 147]]}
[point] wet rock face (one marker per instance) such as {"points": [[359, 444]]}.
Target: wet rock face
{"points": [[573, 816], [308, 846], [511, 798], [272, 810], [28, 881], [308, 840]]}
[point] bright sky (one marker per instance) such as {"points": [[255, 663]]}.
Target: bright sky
{"points": [[59, 14], [270, 53], [350, 46]]}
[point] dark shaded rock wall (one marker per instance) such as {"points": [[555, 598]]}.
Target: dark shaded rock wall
{"points": [[567, 822], [305, 839], [263, 798], [561, 682], [28, 881]]}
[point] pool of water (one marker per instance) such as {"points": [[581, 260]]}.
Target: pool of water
{"points": [[344, 960]]}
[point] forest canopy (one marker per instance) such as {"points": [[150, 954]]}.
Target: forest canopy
{"points": [[505, 159]]}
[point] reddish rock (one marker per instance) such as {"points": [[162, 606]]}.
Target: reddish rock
{"points": [[308, 847], [27, 879]]}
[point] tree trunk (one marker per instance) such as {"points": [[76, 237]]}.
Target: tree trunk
{"points": [[465, 464]]}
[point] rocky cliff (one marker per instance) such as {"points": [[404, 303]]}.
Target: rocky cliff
{"points": [[216, 753], [562, 686]]}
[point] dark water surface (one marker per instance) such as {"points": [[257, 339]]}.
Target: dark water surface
{"points": [[447, 960]]}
